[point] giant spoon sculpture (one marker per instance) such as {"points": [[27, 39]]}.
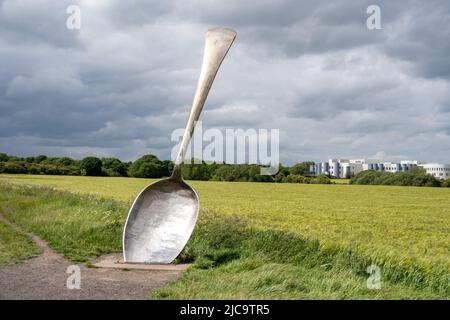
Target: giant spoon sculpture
{"points": [[164, 214]]}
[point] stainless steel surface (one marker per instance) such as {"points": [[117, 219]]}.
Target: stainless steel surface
{"points": [[160, 222], [218, 42], [164, 214]]}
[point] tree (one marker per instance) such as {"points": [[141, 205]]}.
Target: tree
{"points": [[283, 170], [65, 161], [167, 168], [196, 171], [414, 177], [14, 159], [13, 167], [148, 170], [254, 173], [40, 158], [3, 157], [114, 167], [91, 166], [279, 177], [446, 183], [224, 173], [295, 178], [300, 168], [147, 166], [321, 179]]}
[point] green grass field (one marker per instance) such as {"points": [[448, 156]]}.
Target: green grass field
{"points": [[341, 181], [335, 230]]}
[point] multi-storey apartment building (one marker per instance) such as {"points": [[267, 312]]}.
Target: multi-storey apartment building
{"points": [[345, 168], [437, 170]]}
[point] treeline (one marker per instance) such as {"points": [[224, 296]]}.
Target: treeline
{"points": [[149, 166], [251, 173], [415, 177], [39, 165]]}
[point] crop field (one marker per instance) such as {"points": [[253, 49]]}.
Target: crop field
{"points": [[260, 240]]}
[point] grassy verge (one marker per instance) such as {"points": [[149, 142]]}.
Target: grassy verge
{"points": [[231, 258], [79, 227], [15, 246]]}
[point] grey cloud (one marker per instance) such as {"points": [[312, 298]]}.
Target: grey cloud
{"points": [[37, 22], [138, 12], [422, 38]]}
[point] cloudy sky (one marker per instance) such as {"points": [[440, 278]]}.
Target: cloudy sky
{"points": [[122, 83]]}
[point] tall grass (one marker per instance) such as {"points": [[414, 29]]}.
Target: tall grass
{"points": [[15, 246], [80, 227]]}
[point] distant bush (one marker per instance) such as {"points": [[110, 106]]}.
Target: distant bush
{"points": [[321, 179], [22, 167], [414, 177], [91, 166], [66, 161], [3, 157], [148, 166], [293, 178], [113, 167], [446, 183], [40, 158], [240, 173], [196, 171], [300, 168], [13, 167], [256, 176]]}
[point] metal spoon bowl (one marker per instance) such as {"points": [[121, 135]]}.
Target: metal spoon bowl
{"points": [[164, 214]]}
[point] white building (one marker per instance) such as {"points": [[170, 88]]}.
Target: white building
{"points": [[345, 168], [437, 170], [350, 168], [340, 168], [410, 162]]}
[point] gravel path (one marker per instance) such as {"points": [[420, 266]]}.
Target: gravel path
{"points": [[45, 277]]}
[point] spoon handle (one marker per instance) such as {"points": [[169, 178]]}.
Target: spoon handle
{"points": [[218, 42]]}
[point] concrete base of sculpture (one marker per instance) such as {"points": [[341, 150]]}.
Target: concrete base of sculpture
{"points": [[115, 261]]}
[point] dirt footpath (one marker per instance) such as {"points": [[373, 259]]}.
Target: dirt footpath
{"points": [[45, 277]]}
